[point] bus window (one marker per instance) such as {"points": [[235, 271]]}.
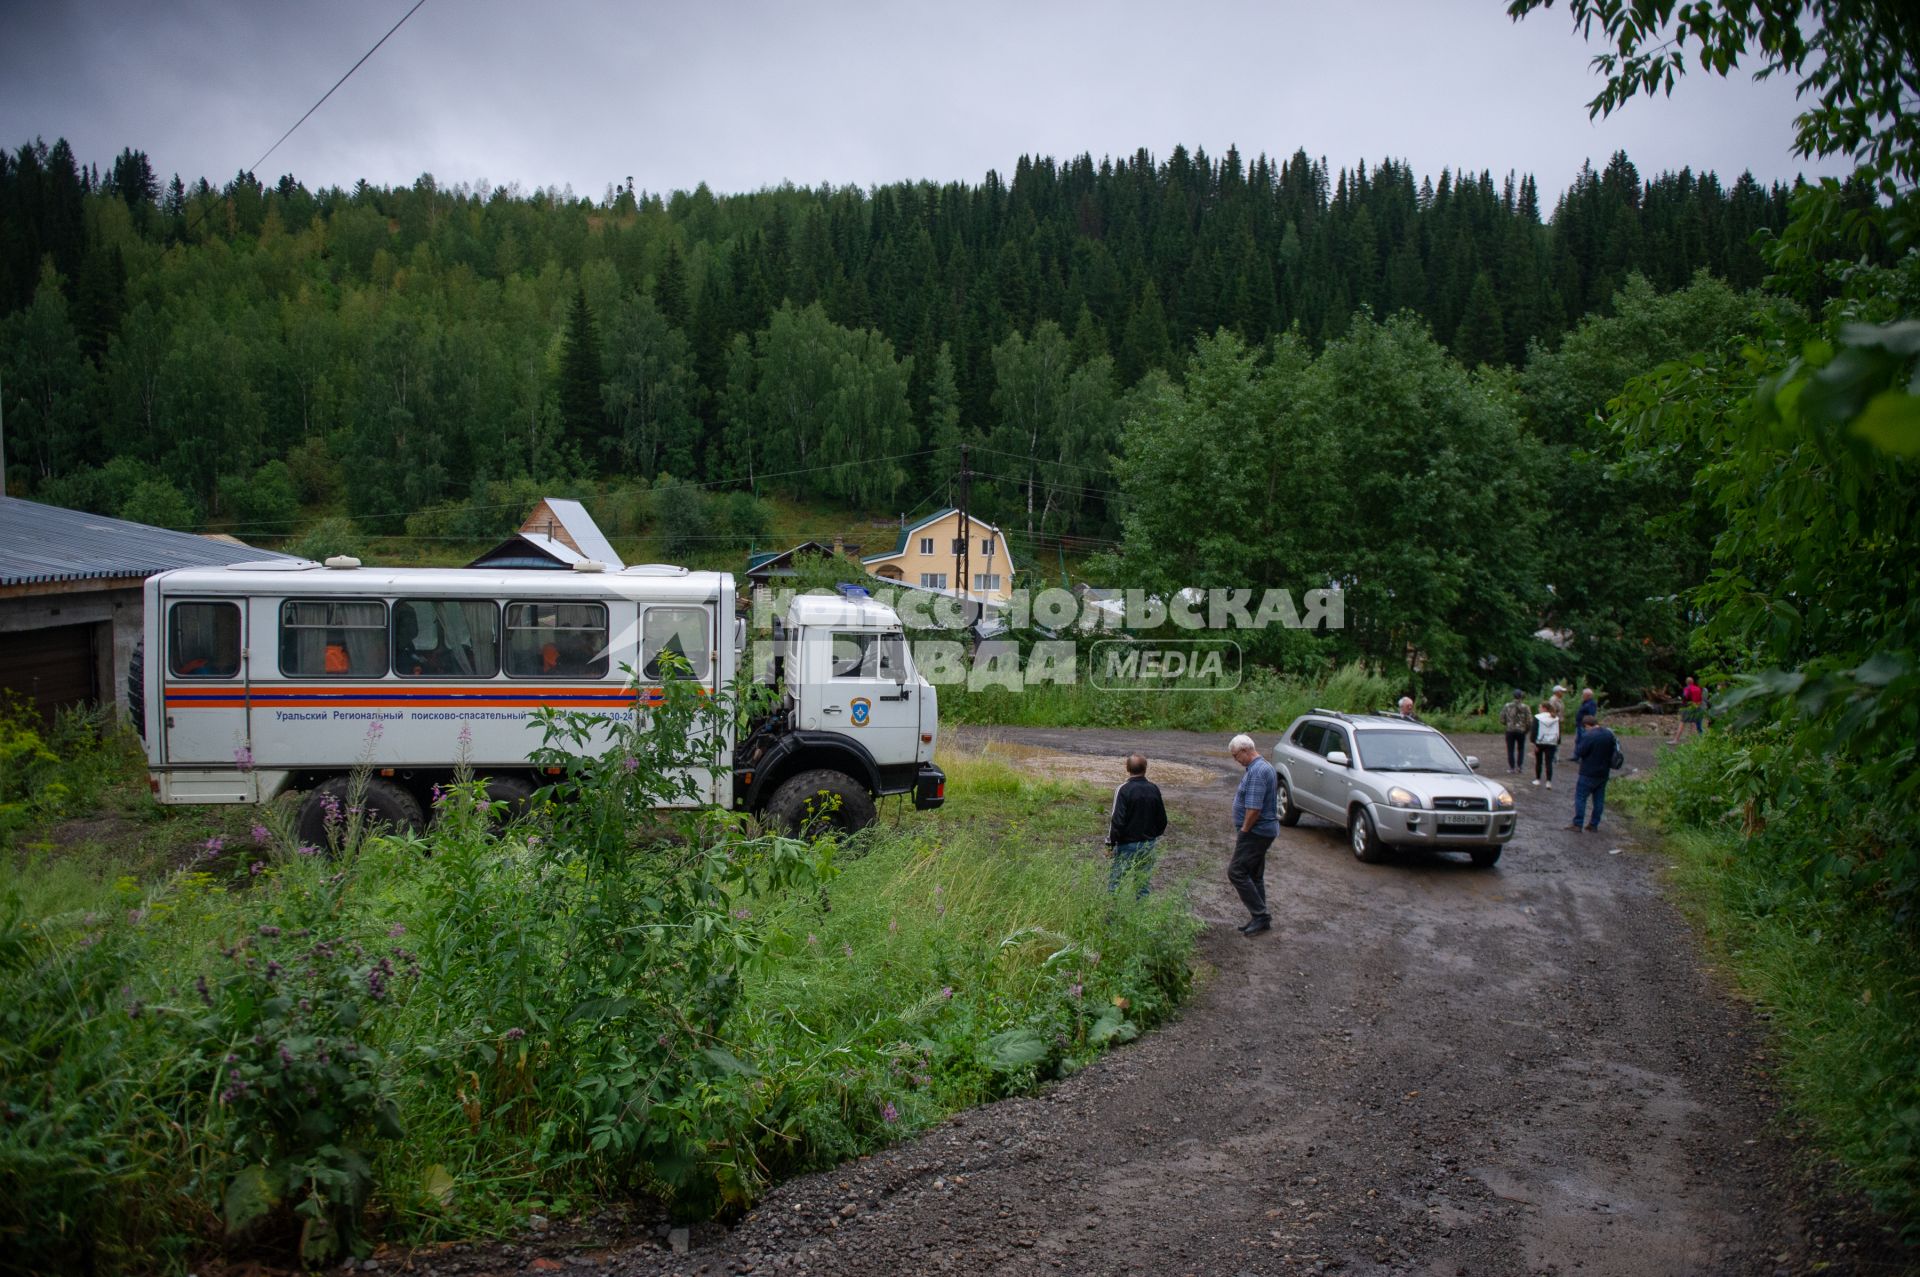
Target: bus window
{"points": [[446, 638], [203, 640], [333, 638], [556, 640], [680, 630]]}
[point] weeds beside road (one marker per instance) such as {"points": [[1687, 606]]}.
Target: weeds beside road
{"points": [[450, 1035]]}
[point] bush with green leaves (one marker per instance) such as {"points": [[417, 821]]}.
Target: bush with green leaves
{"points": [[335, 534]]}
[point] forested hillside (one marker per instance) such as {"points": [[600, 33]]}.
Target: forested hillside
{"points": [[199, 334]]}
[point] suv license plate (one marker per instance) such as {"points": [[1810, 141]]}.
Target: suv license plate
{"points": [[1462, 820]]}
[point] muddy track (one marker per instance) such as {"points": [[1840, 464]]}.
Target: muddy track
{"points": [[1424, 1068]]}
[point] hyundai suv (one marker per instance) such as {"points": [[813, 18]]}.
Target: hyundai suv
{"points": [[1391, 782]]}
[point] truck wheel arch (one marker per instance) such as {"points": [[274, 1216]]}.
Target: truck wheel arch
{"points": [[809, 751]]}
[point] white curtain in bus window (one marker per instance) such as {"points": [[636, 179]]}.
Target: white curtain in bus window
{"points": [[557, 640], [203, 640], [446, 638], [680, 630], [333, 638]]}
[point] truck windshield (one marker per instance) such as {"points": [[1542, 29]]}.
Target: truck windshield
{"points": [[870, 655]]}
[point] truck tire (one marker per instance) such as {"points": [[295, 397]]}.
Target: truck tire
{"points": [[390, 809], [514, 791], [818, 801]]}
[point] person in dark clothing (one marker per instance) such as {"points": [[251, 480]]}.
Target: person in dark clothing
{"points": [[1589, 708], [1138, 819], [1517, 717], [1593, 752], [1256, 823]]}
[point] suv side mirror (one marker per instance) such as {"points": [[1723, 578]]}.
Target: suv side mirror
{"points": [[1473, 763], [1338, 758]]}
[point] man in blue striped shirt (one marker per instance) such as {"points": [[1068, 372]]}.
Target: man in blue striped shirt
{"points": [[1256, 823]]}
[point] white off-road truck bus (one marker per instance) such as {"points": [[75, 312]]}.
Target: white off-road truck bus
{"points": [[259, 679]]}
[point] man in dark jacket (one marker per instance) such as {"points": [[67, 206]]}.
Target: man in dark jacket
{"points": [[1139, 818], [1594, 754]]}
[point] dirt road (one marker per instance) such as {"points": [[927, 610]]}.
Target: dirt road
{"points": [[1424, 1068]]}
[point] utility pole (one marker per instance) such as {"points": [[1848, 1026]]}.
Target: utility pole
{"points": [[965, 544]]}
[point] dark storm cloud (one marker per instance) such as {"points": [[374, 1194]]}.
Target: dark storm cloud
{"points": [[746, 94]]}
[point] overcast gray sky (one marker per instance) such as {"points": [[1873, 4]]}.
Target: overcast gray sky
{"points": [[743, 94]]}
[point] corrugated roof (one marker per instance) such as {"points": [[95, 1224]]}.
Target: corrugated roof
{"points": [[45, 543]]}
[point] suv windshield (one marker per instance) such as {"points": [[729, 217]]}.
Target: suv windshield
{"points": [[1407, 752]]}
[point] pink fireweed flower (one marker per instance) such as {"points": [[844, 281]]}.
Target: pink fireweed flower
{"points": [[257, 868], [946, 991], [466, 734], [260, 835], [243, 759], [846, 948], [397, 930], [890, 1113], [375, 729], [629, 764]]}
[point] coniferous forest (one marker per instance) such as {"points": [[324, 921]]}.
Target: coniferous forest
{"points": [[237, 357]]}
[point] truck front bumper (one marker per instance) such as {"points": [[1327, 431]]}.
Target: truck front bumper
{"points": [[929, 788]]}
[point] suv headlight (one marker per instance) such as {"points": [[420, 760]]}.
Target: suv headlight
{"points": [[1399, 797], [1503, 800]]}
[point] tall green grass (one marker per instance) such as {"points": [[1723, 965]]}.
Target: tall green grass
{"points": [[879, 985], [1265, 701], [1761, 862]]}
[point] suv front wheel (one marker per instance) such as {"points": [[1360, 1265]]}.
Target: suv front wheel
{"points": [[1289, 814], [1366, 843]]}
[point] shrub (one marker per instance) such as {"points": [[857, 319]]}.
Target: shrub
{"points": [[332, 535], [157, 502]]}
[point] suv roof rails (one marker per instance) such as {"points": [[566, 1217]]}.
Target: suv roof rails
{"points": [[1332, 713]]}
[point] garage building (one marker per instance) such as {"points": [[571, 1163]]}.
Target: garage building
{"points": [[70, 597]]}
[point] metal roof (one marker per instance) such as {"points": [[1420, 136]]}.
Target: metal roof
{"points": [[578, 524], [46, 543]]}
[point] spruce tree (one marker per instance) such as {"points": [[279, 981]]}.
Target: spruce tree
{"points": [[583, 416]]}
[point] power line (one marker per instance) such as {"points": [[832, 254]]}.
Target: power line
{"points": [[269, 524], [342, 80]]}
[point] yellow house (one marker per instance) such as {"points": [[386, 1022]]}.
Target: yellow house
{"points": [[930, 555]]}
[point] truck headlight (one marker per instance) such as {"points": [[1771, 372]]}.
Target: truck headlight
{"points": [[1399, 797], [1503, 800]]}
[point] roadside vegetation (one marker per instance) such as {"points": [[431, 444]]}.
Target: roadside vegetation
{"points": [[1265, 701], [1796, 878], [296, 1051]]}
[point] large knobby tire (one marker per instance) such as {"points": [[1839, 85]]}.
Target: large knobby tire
{"points": [[819, 801], [514, 791], [389, 809], [1367, 848], [1289, 814], [1485, 857]]}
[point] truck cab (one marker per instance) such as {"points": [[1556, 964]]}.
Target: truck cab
{"points": [[856, 720]]}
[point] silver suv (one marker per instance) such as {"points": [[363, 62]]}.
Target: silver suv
{"points": [[1391, 782]]}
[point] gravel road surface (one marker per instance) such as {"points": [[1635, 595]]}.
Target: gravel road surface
{"points": [[1424, 1068]]}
